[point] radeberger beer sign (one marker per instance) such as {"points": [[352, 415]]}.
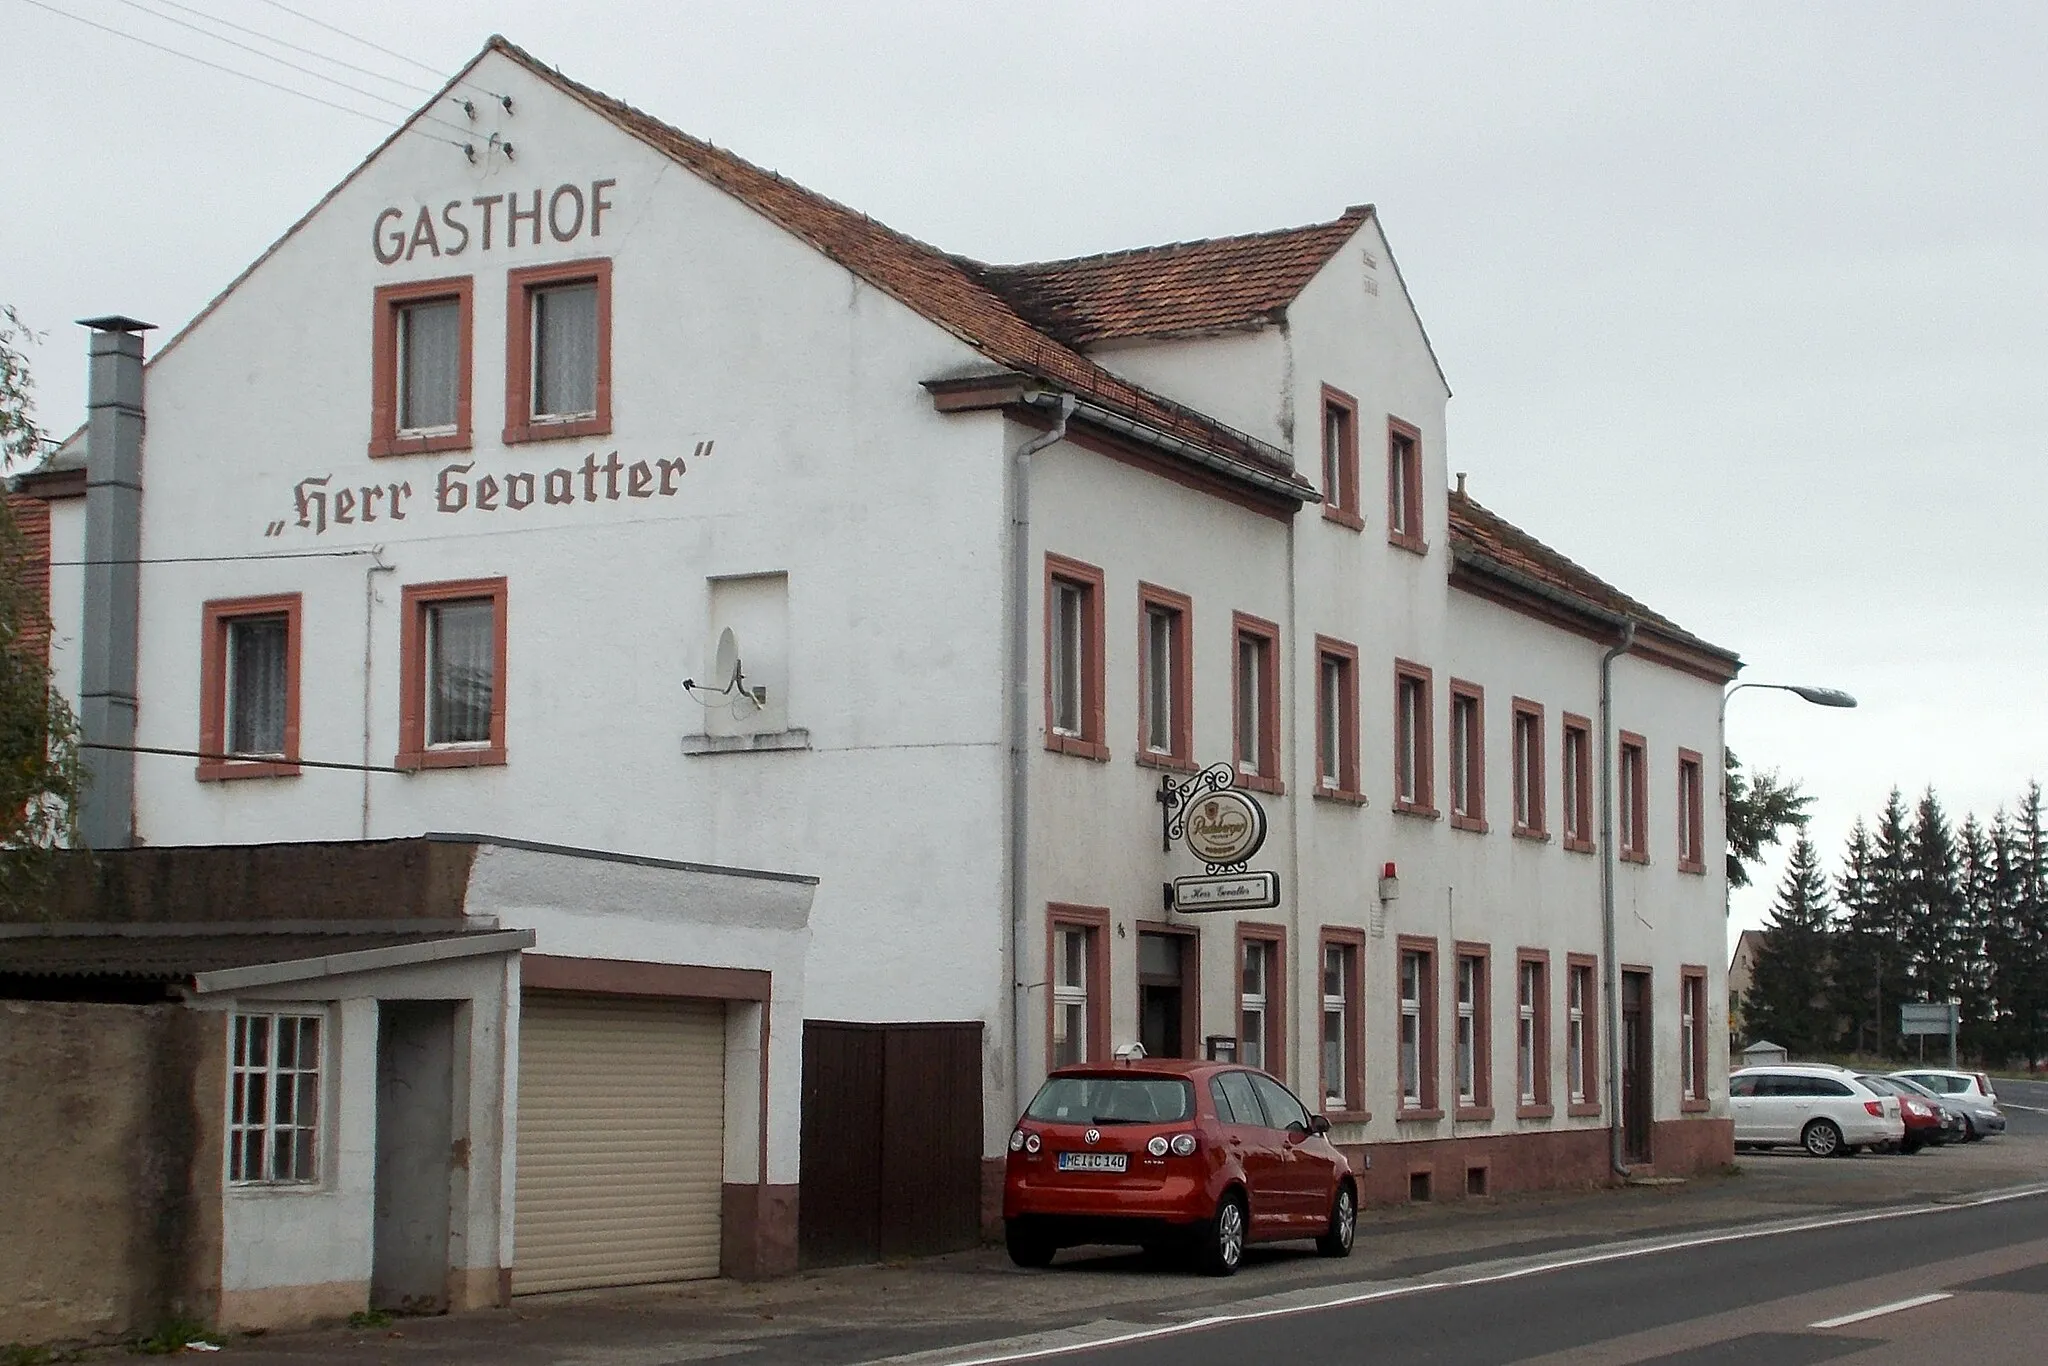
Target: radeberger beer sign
{"points": [[1225, 827]]}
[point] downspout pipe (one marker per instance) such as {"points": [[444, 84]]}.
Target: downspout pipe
{"points": [[113, 580], [1611, 988], [1019, 727]]}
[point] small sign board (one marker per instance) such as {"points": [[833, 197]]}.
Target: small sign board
{"points": [[1937, 1019], [1224, 892], [1226, 826]]}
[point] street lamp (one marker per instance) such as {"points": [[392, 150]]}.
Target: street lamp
{"points": [[1820, 697]]}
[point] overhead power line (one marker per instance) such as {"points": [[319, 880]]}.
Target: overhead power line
{"points": [[382, 120], [259, 34], [260, 54], [342, 32]]}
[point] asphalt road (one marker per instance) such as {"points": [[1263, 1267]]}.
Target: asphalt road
{"points": [[1760, 1300], [2025, 1104]]}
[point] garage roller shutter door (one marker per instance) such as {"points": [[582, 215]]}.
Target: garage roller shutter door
{"points": [[621, 1141]]}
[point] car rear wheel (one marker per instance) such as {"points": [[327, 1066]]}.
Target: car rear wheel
{"points": [[1970, 1134], [1343, 1224], [1028, 1247], [1821, 1138], [1223, 1247]]}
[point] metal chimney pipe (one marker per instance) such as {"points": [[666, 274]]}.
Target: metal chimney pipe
{"points": [[113, 577]]}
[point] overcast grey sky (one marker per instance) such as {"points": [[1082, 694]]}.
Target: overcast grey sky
{"points": [[1745, 305]]}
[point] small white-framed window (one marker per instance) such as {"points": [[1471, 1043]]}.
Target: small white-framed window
{"points": [[430, 356], [1253, 1004], [1161, 670], [258, 685], [565, 351], [461, 671], [1581, 980], [1531, 978], [1528, 761], [1412, 969], [1339, 969], [1071, 985], [1470, 975], [1251, 702], [274, 1099], [1070, 615]]}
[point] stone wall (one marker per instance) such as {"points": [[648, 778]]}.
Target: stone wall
{"points": [[111, 1147]]}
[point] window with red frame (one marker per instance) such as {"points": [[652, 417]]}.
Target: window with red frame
{"points": [[1336, 718], [1404, 485], [1691, 813], [1468, 756], [1632, 798], [1256, 697], [1578, 783], [1528, 761], [1340, 458]]}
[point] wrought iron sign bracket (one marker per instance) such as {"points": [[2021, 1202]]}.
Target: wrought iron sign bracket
{"points": [[1175, 800]]}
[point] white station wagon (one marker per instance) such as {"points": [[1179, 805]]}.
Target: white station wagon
{"points": [[1824, 1110]]}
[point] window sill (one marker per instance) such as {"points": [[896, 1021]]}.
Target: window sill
{"points": [[1476, 824], [1689, 866], [519, 434], [1582, 1110], [1532, 834], [1417, 1116], [1348, 1116], [1342, 796], [1573, 846], [1631, 856], [1414, 545], [1078, 747], [1146, 758], [1535, 1111], [761, 742], [1259, 782], [1427, 813], [1472, 1114], [1694, 1107], [397, 444], [217, 771], [412, 760], [1343, 517]]}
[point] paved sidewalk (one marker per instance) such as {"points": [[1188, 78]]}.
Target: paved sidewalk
{"points": [[861, 1314]]}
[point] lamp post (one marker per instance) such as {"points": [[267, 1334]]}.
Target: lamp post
{"points": [[1820, 697]]}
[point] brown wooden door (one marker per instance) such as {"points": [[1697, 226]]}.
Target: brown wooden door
{"points": [[891, 1141], [1636, 1065]]}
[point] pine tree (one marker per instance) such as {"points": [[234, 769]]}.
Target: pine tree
{"points": [[1976, 988], [1788, 1001], [1931, 905], [1887, 919], [1858, 955], [2028, 1010]]}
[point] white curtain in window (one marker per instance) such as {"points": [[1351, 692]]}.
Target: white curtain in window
{"points": [[256, 685], [461, 672], [565, 351], [430, 362]]}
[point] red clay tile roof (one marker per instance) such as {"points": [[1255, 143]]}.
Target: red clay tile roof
{"points": [[1475, 531], [1182, 288], [941, 287]]}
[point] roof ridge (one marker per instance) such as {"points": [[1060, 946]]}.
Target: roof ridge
{"points": [[1355, 213]]}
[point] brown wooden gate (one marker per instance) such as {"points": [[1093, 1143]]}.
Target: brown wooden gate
{"points": [[891, 1158]]}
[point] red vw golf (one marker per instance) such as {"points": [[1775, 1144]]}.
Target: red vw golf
{"points": [[1163, 1152]]}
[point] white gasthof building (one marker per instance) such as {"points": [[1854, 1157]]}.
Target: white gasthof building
{"points": [[467, 475]]}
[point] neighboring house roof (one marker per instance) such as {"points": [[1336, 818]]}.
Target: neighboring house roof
{"points": [[1184, 288], [184, 959], [1485, 542]]}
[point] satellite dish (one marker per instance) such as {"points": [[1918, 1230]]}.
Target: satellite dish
{"points": [[725, 672], [726, 675]]}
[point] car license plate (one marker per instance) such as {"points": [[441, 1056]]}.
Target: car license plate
{"points": [[1094, 1162]]}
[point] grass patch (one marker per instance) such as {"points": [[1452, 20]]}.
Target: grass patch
{"points": [[369, 1318], [23, 1354], [174, 1335]]}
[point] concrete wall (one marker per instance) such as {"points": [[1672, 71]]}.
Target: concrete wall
{"points": [[111, 1145]]}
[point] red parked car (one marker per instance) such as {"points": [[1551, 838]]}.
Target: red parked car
{"points": [[1163, 1152]]}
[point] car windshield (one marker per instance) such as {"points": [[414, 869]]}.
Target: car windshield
{"points": [[1883, 1086], [1913, 1086], [1113, 1100]]}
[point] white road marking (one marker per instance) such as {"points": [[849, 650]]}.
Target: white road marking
{"points": [[2030, 1109], [1846, 1319], [1010, 1352]]}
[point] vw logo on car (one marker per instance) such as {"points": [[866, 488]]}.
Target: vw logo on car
{"points": [[1092, 1136]]}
